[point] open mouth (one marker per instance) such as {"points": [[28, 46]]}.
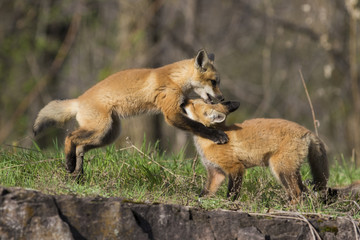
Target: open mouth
{"points": [[209, 99]]}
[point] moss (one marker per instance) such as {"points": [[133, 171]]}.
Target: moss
{"points": [[332, 229]]}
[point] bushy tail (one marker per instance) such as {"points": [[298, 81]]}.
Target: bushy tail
{"points": [[56, 112], [318, 162], [351, 191]]}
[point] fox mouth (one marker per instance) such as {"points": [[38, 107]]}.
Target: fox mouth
{"points": [[213, 100], [209, 99]]}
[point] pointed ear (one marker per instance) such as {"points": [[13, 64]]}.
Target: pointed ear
{"points": [[201, 60], [217, 117], [231, 105], [212, 57]]}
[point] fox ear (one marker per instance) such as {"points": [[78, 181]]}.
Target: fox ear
{"points": [[201, 60], [212, 57], [217, 117]]}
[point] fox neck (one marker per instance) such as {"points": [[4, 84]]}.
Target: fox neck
{"points": [[181, 74]]}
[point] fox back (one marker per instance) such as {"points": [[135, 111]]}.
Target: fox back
{"points": [[279, 144]]}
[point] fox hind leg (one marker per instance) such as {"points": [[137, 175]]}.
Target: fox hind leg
{"points": [[292, 184], [234, 187], [289, 176], [82, 140], [235, 182], [79, 161], [70, 155], [75, 150]]}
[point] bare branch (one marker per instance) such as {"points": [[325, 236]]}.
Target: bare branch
{"points": [[337, 55], [55, 67]]}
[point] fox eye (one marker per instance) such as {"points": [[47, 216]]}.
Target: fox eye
{"points": [[213, 82]]}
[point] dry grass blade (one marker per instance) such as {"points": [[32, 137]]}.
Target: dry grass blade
{"points": [[20, 147], [356, 228], [313, 231], [354, 202], [193, 168], [32, 163], [316, 122], [342, 201]]}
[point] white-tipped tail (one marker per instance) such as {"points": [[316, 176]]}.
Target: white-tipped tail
{"points": [[56, 112]]}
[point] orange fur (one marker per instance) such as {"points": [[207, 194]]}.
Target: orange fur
{"points": [[277, 143], [131, 92]]}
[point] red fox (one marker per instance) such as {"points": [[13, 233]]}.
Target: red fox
{"points": [[280, 144], [131, 92]]}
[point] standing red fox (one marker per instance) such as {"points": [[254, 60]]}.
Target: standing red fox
{"points": [[131, 92], [280, 144]]}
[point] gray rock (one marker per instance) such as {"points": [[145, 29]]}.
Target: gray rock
{"points": [[28, 214], [250, 233]]}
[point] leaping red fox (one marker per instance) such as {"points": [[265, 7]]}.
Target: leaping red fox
{"points": [[277, 143], [131, 92]]}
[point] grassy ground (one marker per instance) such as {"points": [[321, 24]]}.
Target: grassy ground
{"points": [[144, 175]]}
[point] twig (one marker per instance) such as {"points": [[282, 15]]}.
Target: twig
{"points": [[292, 215], [316, 122], [152, 160], [122, 149], [354, 202], [338, 56], [356, 228], [313, 231], [342, 201]]}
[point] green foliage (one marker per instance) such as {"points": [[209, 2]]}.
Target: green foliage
{"points": [[344, 172], [146, 175]]}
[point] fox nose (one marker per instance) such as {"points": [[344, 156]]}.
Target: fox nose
{"points": [[220, 98]]}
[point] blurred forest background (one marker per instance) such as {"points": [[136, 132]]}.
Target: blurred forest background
{"points": [[52, 49]]}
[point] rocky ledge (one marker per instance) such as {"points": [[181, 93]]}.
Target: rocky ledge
{"points": [[28, 214]]}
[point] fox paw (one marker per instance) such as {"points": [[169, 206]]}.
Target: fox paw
{"points": [[220, 137]]}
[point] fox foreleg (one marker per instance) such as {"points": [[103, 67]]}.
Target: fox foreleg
{"points": [[185, 123], [215, 177]]}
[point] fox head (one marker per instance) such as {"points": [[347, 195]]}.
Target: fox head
{"points": [[206, 80], [209, 114]]}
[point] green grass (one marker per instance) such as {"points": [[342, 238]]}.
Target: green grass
{"points": [[146, 175]]}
